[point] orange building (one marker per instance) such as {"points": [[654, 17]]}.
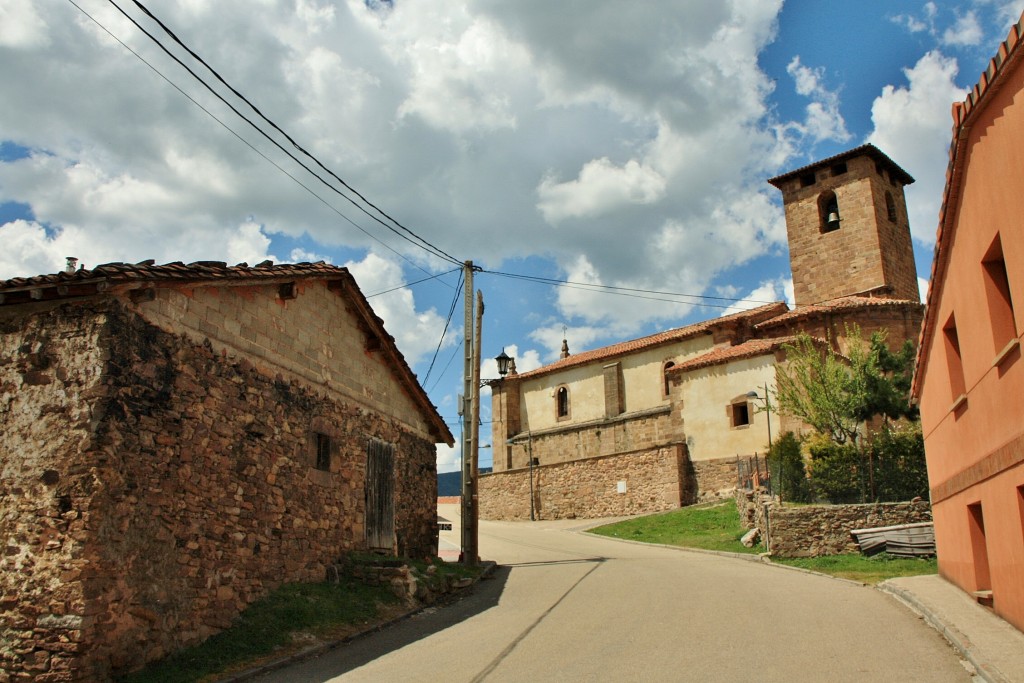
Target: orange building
{"points": [[970, 375]]}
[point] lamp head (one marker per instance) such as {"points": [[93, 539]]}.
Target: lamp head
{"points": [[503, 359]]}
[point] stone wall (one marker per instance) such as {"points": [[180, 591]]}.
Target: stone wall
{"points": [[589, 488], [714, 480], [816, 530], [309, 337], [151, 488], [621, 434]]}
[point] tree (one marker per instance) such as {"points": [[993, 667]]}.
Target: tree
{"points": [[888, 389], [822, 389], [786, 465], [835, 395]]}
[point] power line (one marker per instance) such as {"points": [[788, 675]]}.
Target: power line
{"points": [[423, 244], [412, 284], [247, 143], [630, 292], [297, 146], [447, 322]]}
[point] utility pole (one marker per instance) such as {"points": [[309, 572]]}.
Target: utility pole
{"points": [[475, 459], [469, 417]]}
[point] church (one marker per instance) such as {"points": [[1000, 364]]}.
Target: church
{"points": [[658, 422]]}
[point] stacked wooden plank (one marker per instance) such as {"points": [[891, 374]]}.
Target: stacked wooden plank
{"points": [[903, 540]]}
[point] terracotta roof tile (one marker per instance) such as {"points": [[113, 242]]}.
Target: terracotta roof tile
{"points": [[728, 354], [753, 316], [845, 303], [12, 292], [195, 272], [869, 149]]}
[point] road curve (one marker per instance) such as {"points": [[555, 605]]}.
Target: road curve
{"points": [[569, 606]]}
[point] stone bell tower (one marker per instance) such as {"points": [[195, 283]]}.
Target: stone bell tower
{"points": [[846, 217]]}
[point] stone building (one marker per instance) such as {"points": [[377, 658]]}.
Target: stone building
{"points": [[970, 378], [179, 439], [657, 422]]}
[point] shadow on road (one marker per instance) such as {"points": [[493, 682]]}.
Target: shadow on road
{"points": [[484, 595], [555, 563]]}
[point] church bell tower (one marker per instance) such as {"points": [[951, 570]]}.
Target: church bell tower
{"points": [[846, 218]]}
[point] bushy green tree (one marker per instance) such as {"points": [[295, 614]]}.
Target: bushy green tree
{"points": [[786, 465], [900, 471], [836, 471]]}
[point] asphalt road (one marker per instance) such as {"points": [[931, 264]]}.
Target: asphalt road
{"points": [[568, 606]]}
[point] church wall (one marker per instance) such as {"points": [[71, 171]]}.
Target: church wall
{"points": [[706, 397]]}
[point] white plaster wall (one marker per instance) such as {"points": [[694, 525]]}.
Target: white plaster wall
{"points": [[707, 392], [641, 376]]}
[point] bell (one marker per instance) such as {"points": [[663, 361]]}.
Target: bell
{"points": [[833, 221]]}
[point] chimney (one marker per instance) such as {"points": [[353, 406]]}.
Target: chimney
{"points": [[72, 262]]}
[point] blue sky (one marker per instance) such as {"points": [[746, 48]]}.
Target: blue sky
{"points": [[594, 142]]}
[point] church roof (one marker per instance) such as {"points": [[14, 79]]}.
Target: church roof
{"points": [[864, 150], [840, 305], [751, 317], [728, 354]]}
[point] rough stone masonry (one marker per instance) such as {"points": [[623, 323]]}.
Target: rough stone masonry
{"points": [[151, 487]]}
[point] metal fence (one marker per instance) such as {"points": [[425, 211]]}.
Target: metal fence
{"points": [[752, 473]]}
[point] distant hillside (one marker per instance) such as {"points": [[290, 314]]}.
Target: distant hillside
{"points": [[450, 483]]}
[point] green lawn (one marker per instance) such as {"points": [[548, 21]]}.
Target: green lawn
{"points": [[864, 569], [711, 528], [717, 527]]}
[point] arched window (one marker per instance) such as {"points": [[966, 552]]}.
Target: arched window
{"points": [[890, 206], [666, 383], [828, 211], [562, 402]]}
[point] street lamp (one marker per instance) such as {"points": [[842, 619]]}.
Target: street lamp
{"points": [[503, 359], [768, 419]]}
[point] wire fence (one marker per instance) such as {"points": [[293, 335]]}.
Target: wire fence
{"points": [[752, 473]]}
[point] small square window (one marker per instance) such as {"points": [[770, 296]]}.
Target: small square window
{"points": [[740, 414], [806, 180], [323, 452]]}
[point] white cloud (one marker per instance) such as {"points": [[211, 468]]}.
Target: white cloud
{"points": [[824, 120], [21, 26], [922, 288], [780, 289], [248, 245], [600, 187], [912, 124], [966, 31], [416, 332]]}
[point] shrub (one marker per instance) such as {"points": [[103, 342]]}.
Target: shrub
{"points": [[786, 464], [836, 472], [899, 464]]}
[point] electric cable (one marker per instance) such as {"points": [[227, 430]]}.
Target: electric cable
{"points": [[432, 250], [249, 144], [447, 322], [297, 146]]}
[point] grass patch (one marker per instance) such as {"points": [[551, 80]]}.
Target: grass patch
{"points": [[711, 528], [870, 570], [718, 528], [288, 619]]}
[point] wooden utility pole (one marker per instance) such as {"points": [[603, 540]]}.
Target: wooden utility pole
{"points": [[475, 453], [470, 421]]}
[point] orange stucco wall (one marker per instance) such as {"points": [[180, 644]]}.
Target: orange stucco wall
{"points": [[974, 430]]}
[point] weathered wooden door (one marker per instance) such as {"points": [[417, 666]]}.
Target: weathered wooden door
{"points": [[380, 496]]}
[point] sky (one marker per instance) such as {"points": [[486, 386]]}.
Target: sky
{"points": [[584, 141]]}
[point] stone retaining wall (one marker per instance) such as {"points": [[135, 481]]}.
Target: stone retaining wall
{"points": [[816, 530], [612, 486]]}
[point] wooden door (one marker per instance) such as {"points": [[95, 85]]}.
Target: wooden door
{"points": [[380, 496]]}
